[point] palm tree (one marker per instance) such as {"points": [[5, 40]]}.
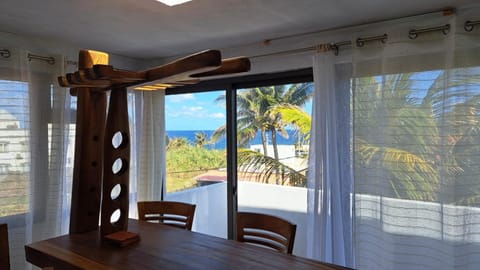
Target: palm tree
{"points": [[255, 114], [176, 143], [200, 139], [396, 138]]}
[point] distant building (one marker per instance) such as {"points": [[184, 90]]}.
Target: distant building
{"points": [[13, 145]]}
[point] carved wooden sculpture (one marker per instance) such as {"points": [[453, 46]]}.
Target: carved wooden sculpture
{"points": [[102, 145]]}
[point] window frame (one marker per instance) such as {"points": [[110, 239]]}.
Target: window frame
{"points": [[230, 86]]}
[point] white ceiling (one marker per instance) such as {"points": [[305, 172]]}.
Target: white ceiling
{"points": [[149, 29]]}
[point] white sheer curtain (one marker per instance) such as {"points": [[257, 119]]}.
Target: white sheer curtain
{"points": [[35, 124], [417, 155], [415, 131], [147, 110], [330, 185]]}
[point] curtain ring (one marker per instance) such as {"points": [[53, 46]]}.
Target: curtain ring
{"points": [[468, 26], [412, 34], [5, 53], [446, 30], [334, 48]]}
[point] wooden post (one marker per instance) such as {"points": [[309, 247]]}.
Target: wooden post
{"points": [[88, 169], [4, 249], [115, 198]]}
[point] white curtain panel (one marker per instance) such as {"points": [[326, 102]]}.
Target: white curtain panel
{"points": [[36, 142], [148, 135], [330, 185], [416, 126]]}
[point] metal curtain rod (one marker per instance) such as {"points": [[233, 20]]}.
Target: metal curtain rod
{"points": [[413, 34], [47, 59], [5, 53], [444, 12], [360, 42]]}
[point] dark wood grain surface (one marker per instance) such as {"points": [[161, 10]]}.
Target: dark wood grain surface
{"points": [[161, 247], [88, 162], [4, 249]]}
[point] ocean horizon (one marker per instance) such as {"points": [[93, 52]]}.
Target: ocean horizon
{"points": [[220, 144]]}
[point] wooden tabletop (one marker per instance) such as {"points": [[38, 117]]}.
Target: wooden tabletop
{"points": [[161, 247]]}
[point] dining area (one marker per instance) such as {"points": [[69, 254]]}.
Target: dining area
{"points": [[167, 242], [162, 236]]}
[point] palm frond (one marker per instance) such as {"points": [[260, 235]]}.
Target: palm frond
{"points": [[265, 168]]}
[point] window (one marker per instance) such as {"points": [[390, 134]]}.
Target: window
{"points": [[13, 124], [4, 147], [203, 120]]}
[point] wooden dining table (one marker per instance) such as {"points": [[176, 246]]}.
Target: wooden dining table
{"points": [[161, 247]]}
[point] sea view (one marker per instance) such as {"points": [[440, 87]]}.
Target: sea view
{"points": [[190, 135]]}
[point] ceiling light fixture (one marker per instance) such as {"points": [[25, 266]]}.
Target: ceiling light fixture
{"points": [[173, 2]]}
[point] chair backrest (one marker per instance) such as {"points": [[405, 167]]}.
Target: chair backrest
{"points": [[177, 214], [4, 252], [266, 230]]}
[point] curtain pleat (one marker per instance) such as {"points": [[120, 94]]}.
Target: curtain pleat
{"points": [[330, 182]]}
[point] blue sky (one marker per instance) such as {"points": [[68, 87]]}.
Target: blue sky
{"points": [[196, 111]]}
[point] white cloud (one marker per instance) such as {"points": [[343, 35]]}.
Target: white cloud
{"points": [[180, 98], [195, 109], [218, 116]]}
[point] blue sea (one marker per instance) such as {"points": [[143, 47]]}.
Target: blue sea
{"points": [[220, 144]]}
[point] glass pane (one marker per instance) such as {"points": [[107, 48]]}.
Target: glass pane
{"points": [[196, 157], [273, 127], [14, 148]]}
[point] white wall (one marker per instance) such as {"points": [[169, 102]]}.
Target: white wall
{"points": [[289, 203]]}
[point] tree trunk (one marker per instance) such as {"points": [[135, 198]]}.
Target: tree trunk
{"points": [[264, 142], [274, 144], [275, 154]]}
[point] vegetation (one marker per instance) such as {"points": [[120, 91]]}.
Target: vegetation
{"points": [[415, 147], [185, 161], [13, 191], [255, 114]]}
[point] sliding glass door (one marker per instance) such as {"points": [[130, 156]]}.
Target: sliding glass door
{"points": [[196, 157], [273, 127]]}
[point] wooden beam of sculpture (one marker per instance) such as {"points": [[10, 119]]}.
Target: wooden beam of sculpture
{"points": [[88, 169], [161, 81], [184, 71]]}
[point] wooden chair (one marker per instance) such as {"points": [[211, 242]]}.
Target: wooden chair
{"points": [[266, 230], [4, 251], [177, 214]]}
